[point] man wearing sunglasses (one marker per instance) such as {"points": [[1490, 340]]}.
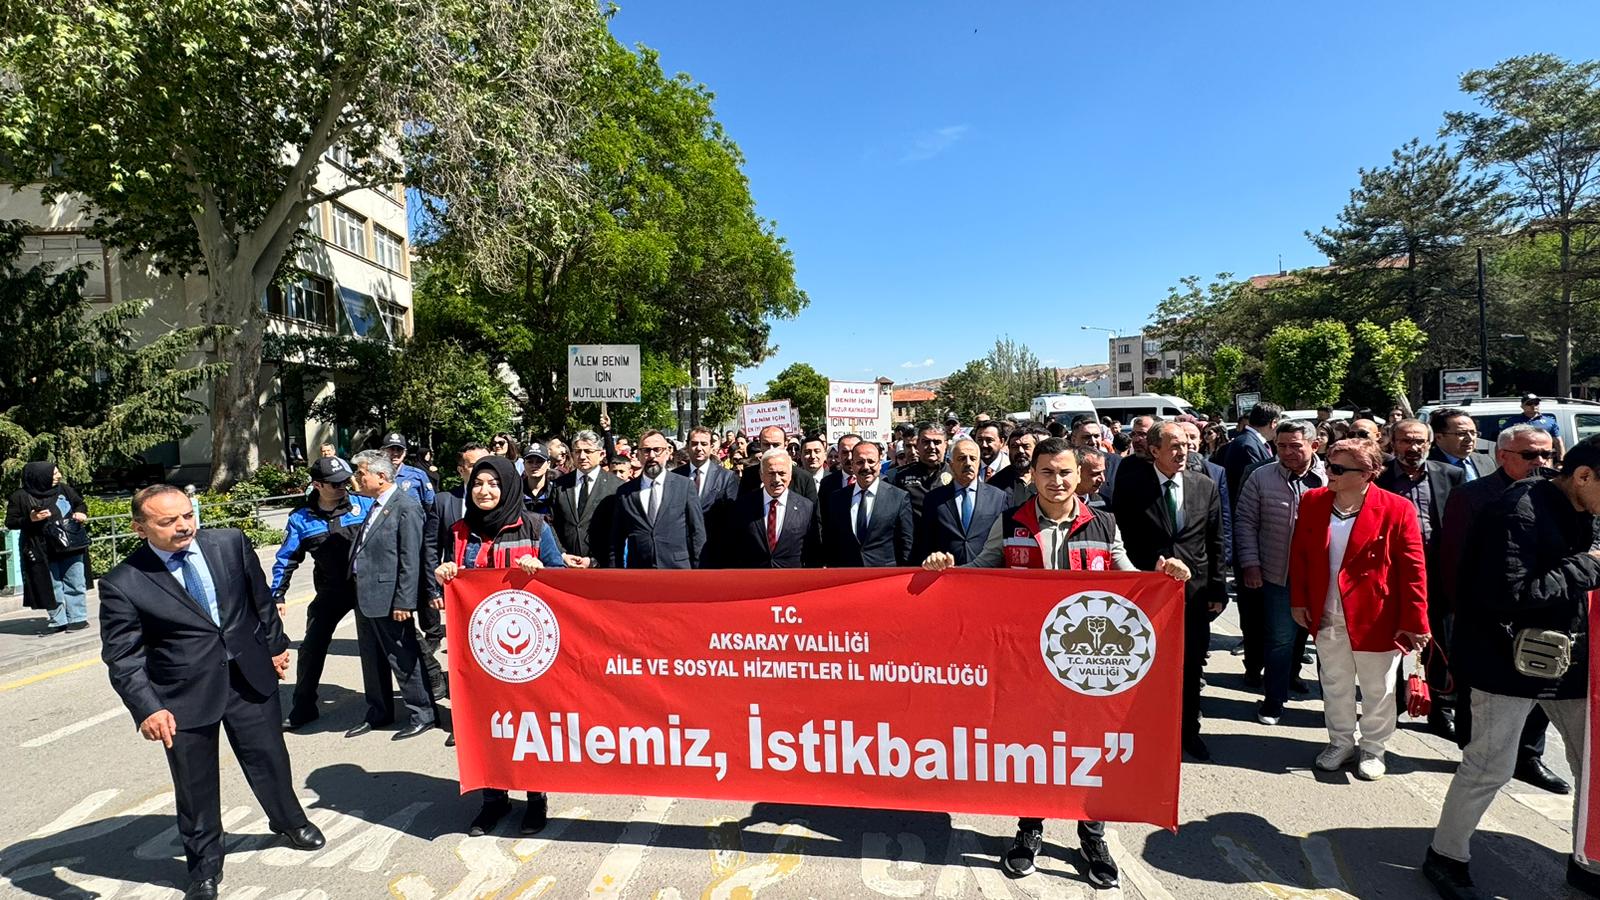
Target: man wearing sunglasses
{"points": [[1532, 416], [1523, 451]]}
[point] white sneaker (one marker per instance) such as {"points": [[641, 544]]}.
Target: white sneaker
{"points": [[1371, 766], [1333, 757]]}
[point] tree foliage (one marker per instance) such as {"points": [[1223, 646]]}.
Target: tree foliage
{"points": [[194, 133], [970, 390], [74, 385], [1394, 351], [1306, 365], [806, 389]]}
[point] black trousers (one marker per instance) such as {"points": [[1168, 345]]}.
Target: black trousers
{"points": [[1253, 625], [256, 735], [430, 622], [396, 655], [322, 619], [1196, 641], [1087, 831]]}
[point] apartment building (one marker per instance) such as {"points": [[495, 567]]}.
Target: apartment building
{"points": [[1135, 358], [356, 282]]}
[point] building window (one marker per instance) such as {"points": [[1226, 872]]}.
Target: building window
{"points": [[64, 251], [388, 249], [1152, 348], [1125, 387], [308, 300], [349, 230], [1125, 368], [341, 156], [314, 219], [394, 319], [1172, 365], [1152, 367]]}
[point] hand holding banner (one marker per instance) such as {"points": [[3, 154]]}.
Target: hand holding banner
{"points": [[1056, 694]]}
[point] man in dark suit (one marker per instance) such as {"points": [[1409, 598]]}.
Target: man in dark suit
{"points": [[193, 641], [964, 517], [868, 525], [657, 523], [716, 487], [927, 471], [773, 438], [387, 562], [843, 474], [1089, 434], [1427, 484], [1016, 479], [1524, 451], [1165, 509], [776, 528], [1455, 443], [1251, 445], [583, 502]]}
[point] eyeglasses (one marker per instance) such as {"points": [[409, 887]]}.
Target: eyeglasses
{"points": [[1531, 455], [1363, 434], [1463, 434], [497, 443], [653, 450], [1336, 469]]}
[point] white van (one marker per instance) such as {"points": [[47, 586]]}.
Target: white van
{"points": [[1577, 419], [1126, 409], [1061, 408]]}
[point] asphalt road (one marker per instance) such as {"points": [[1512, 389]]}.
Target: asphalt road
{"points": [[89, 813]]}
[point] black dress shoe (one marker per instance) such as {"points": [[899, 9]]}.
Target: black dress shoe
{"points": [[204, 889], [77, 626], [411, 731], [1442, 725], [1582, 879], [299, 718], [1252, 680], [537, 815], [1533, 771], [488, 816], [1299, 686], [1449, 877], [50, 630], [1103, 872], [451, 740], [306, 837], [1196, 748], [359, 730]]}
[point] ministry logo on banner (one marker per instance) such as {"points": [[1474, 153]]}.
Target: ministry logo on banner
{"points": [[514, 636], [1097, 644]]}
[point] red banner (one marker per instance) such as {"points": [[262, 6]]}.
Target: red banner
{"points": [[1587, 841], [1007, 692]]}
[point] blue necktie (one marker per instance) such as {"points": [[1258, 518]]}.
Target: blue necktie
{"points": [[966, 508], [196, 586]]}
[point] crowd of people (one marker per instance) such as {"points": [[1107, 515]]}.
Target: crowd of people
{"points": [[1367, 541]]}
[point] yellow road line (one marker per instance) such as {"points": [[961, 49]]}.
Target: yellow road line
{"points": [[91, 659]]}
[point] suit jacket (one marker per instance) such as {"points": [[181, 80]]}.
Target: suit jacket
{"points": [[1141, 513], [1381, 579], [889, 537], [827, 487], [1113, 466], [675, 540], [802, 483], [915, 479], [1467, 503], [721, 488], [1237, 455], [162, 649], [939, 531], [1484, 462], [799, 540], [388, 557], [1018, 491], [587, 531], [1442, 479], [1217, 474]]}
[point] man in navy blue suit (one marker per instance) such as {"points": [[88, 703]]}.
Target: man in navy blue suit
{"points": [[717, 489], [657, 523], [963, 518]]}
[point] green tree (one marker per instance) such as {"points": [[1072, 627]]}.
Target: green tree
{"points": [[1541, 126], [73, 385], [806, 389], [973, 389], [1017, 375], [1394, 351], [722, 407], [194, 133], [1306, 365], [1227, 362]]}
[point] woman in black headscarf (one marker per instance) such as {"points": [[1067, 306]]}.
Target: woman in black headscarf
{"points": [[55, 549], [497, 532]]}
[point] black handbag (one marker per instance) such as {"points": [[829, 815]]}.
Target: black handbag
{"points": [[66, 535]]}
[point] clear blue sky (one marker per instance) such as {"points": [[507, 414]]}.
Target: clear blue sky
{"points": [[946, 173]]}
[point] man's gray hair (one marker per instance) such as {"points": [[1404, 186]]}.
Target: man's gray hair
{"points": [[1301, 427], [1509, 435], [586, 435], [376, 463], [964, 439], [775, 453], [1154, 437], [1086, 452]]}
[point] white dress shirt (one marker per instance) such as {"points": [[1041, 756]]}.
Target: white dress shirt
{"points": [[766, 509], [650, 493], [704, 470], [856, 500], [1177, 489]]}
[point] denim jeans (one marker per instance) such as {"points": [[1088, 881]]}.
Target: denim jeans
{"points": [[1281, 660], [72, 602]]}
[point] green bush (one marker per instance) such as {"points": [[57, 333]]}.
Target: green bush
{"points": [[276, 481], [234, 509]]}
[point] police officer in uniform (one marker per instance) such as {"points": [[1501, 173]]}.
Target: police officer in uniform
{"points": [[429, 619], [927, 471], [324, 528]]}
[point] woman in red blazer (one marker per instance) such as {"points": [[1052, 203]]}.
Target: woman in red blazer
{"points": [[1356, 582]]}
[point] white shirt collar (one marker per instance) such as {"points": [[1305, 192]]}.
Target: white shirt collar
{"points": [[384, 497], [872, 489]]}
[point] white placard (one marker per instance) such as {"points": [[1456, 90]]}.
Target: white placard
{"points": [[603, 373], [853, 399], [757, 416]]}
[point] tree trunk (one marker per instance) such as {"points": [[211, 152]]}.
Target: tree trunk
{"points": [[1564, 320], [694, 391], [236, 394]]}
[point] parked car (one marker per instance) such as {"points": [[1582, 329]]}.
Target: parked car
{"points": [[1577, 419], [1126, 409], [1310, 415], [1061, 408]]}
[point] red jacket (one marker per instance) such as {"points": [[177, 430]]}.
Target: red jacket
{"points": [[1383, 579], [1089, 540]]}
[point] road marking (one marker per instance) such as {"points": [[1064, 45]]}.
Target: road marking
{"points": [[1247, 863], [62, 670], [748, 881], [617, 869], [878, 864], [963, 857], [74, 728], [1134, 870]]}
